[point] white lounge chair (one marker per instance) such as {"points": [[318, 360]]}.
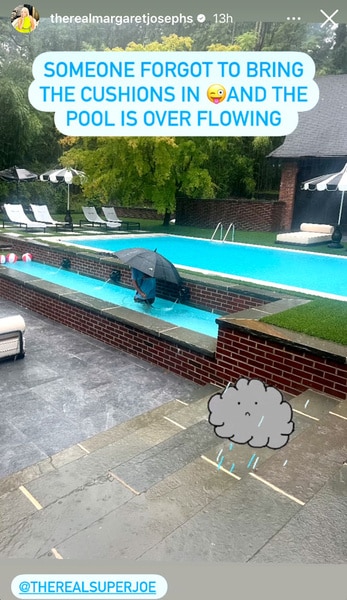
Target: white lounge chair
{"points": [[110, 214], [310, 233], [16, 214], [41, 213], [91, 216]]}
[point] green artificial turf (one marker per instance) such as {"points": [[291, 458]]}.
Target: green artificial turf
{"points": [[321, 318]]}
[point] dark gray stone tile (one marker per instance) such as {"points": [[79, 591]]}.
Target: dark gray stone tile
{"points": [[140, 523], [311, 458], [231, 528], [21, 508], [165, 458], [46, 529], [16, 456], [317, 533], [315, 404], [70, 387]]}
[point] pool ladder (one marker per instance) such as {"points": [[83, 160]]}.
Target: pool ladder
{"points": [[220, 228]]}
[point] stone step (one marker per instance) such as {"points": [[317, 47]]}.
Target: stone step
{"points": [[156, 448], [251, 521], [145, 420], [105, 519], [317, 447], [122, 441]]}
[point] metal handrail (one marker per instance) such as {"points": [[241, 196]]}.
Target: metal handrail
{"points": [[220, 226], [215, 231], [232, 227]]}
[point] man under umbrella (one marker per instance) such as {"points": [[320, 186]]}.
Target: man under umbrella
{"points": [[146, 267], [145, 286]]}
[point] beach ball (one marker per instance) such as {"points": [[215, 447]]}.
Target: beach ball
{"points": [[2, 259], [11, 258], [27, 257]]}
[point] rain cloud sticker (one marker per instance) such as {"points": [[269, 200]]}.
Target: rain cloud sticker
{"points": [[252, 413]]}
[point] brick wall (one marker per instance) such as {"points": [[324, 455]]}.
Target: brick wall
{"points": [[238, 353], [247, 215], [202, 294], [287, 194], [224, 300], [131, 212], [292, 370]]}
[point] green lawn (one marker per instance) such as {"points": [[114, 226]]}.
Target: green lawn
{"points": [[322, 318]]}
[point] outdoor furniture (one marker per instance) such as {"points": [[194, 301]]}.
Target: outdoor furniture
{"points": [[310, 233], [92, 217], [42, 214], [111, 215], [12, 337], [16, 215]]}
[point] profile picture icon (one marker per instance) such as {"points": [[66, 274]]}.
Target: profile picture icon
{"points": [[25, 18]]}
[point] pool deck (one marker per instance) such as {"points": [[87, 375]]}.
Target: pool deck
{"points": [[105, 456]]}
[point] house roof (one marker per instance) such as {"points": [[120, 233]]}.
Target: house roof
{"points": [[322, 131]]}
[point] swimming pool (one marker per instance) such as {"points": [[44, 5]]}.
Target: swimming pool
{"points": [[310, 272], [173, 313]]}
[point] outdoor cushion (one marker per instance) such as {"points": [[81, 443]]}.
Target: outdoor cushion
{"points": [[317, 228], [12, 337], [310, 233]]}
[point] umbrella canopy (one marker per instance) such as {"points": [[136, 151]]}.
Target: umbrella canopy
{"points": [[62, 175], [151, 263], [16, 175], [332, 182]]}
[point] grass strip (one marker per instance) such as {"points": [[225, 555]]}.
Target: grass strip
{"points": [[322, 318]]}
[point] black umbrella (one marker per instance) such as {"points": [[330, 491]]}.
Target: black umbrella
{"points": [[332, 182], [17, 175], [14, 174], [151, 263]]}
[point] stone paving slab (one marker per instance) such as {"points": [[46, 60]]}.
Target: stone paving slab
{"points": [[63, 481], [315, 404], [191, 414], [160, 461], [146, 519], [70, 387], [271, 308], [232, 528], [317, 533], [311, 459], [45, 529], [240, 455], [20, 508], [47, 465], [136, 426]]}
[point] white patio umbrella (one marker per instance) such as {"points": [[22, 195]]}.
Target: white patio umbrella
{"points": [[62, 175], [332, 182]]}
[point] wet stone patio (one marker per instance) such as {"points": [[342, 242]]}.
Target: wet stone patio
{"points": [[105, 457], [70, 387]]}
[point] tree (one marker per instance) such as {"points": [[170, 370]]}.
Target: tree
{"points": [[28, 137], [144, 169]]}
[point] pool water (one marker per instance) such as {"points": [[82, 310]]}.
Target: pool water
{"points": [[174, 313], [310, 272]]}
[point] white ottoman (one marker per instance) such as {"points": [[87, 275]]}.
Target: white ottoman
{"points": [[12, 337]]}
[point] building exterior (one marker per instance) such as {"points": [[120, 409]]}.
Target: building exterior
{"points": [[318, 146]]}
